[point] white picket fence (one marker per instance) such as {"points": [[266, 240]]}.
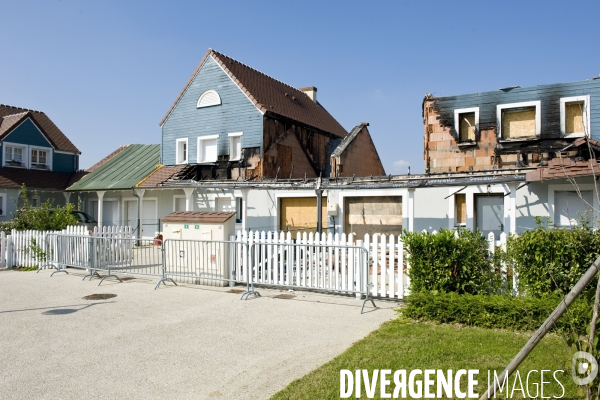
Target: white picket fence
{"points": [[29, 248], [324, 262]]}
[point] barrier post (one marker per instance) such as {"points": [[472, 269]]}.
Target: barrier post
{"points": [[365, 273], [163, 277], [249, 285]]}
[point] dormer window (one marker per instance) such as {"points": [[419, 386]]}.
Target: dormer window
{"points": [[466, 124], [209, 98], [181, 150], [519, 121], [39, 159], [575, 116], [13, 156]]}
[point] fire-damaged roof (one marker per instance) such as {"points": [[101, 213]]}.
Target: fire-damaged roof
{"points": [[577, 159], [11, 117], [270, 96]]}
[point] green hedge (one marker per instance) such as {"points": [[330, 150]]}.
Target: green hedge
{"points": [[494, 311], [448, 261]]}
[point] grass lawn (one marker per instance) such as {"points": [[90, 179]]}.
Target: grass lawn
{"points": [[400, 345]]}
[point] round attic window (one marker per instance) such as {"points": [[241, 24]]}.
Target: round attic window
{"points": [[209, 98]]}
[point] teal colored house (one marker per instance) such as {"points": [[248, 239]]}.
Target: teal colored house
{"points": [[34, 152]]}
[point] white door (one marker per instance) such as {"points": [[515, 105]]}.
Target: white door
{"points": [[110, 212], [150, 224], [131, 213], [179, 204]]}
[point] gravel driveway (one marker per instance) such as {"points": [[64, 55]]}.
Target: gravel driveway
{"points": [[176, 342]]}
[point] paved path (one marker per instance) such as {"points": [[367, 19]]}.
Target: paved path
{"points": [[176, 342]]}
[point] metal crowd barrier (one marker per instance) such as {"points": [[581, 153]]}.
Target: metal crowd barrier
{"points": [[313, 266], [65, 250], [205, 262], [284, 264]]}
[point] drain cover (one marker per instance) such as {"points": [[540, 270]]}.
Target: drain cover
{"points": [[100, 296], [238, 291], [284, 296]]}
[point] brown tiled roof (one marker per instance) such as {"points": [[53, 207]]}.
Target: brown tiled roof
{"points": [[564, 168], [107, 158], [12, 116], [36, 179], [271, 96], [198, 216], [160, 175]]}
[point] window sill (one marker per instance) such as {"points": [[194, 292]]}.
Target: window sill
{"points": [[522, 139], [467, 144], [574, 135]]}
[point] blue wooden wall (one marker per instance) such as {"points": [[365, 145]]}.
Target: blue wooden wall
{"points": [[235, 114], [549, 95], [27, 133]]}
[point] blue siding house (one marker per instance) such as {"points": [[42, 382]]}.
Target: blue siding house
{"points": [[231, 121], [34, 152]]}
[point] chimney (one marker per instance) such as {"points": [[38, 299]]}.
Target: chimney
{"points": [[311, 92]]}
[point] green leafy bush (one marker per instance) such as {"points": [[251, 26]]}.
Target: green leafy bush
{"points": [[448, 261], [45, 217], [552, 260], [494, 311]]}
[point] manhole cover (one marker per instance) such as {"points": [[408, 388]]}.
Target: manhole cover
{"points": [[284, 296], [100, 296], [59, 311], [238, 291]]}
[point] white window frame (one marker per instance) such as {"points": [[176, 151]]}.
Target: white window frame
{"points": [[586, 116], [199, 149], [3, 211], [48, 157], [538, 118], [231, 136], [178, 151], [457, 113], [204, 94], [25, 155]]}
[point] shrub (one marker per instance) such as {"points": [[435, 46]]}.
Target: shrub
{"points": [[494, 311], [45, 217], [448, 261], [552, 260]]}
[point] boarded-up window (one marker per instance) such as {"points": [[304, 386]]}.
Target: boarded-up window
{"points": [[574, 117], [375, 214], [518, 122], [299, 214], [460, 213], [467, 127]]}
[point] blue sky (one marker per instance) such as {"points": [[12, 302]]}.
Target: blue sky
{"points": [[106, 72]]}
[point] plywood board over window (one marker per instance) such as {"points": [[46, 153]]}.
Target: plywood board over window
{"points": [[467, 127], [460, 202], [373, 214], [518, 123], [299, 214], [574, 117]]}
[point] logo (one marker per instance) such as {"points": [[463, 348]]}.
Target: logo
{"points": [[584, 364]]}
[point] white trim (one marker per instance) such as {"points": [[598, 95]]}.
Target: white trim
{"points": [[177, 151], [199, 148], [238, 86], [36, 127], [24, 155], [568, 187], [457, 113], [586, 116], [231, 136], [48, 157], [538, 117], [206, 93]]}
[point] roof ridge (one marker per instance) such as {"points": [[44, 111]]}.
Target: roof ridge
{"points": [[21, 108], [254, 69]]}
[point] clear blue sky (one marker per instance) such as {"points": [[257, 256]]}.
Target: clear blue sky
{"points": [[106, 72]]}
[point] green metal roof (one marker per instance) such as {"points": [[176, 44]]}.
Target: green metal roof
{"points": [[123, 171]]}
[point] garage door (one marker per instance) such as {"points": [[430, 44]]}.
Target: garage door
{"points": [[299, 214], [374, 214]]}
